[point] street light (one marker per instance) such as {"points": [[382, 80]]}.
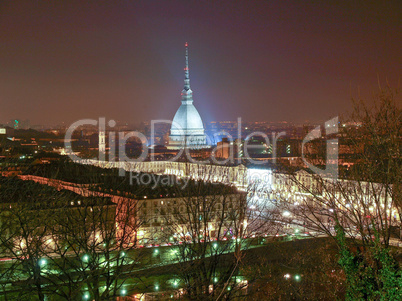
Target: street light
{"points": [[85, 258], [42, 262]]}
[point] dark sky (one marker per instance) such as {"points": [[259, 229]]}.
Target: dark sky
{"points": [[61, 61]]}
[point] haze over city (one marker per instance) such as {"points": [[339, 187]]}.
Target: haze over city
{"points": [[265, 61]]}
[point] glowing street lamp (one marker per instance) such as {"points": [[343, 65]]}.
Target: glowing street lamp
{"points": [[42, 262], [85, 258]]}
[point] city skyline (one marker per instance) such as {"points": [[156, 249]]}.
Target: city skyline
{"points": [[275, 175], [262, 62]]}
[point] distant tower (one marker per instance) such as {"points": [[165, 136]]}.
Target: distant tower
{"points": [[187, 129], [102, 142]]}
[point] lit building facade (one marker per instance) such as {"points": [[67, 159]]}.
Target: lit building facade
{"points": [[172, 219]]}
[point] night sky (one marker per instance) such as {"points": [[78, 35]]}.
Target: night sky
{"points": [[61, 61]]}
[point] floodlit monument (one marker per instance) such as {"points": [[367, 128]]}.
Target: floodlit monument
{"points": [[187, 129]]}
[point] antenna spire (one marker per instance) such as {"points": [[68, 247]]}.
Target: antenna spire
{"points": [[186, 93], [186, 71]]}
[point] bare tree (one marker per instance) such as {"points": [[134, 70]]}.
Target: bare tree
{"points": [[80, 244], [361, 209], [210, 226], [25, 237]]}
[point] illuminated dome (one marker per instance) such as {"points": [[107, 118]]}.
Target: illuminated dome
{"points": [[188, 118], [187, 128]]}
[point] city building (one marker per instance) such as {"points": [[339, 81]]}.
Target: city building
{"points": [[187, 128], [42, 209], [171, 219], [223, 149]]}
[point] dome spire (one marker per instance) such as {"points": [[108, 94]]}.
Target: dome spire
{"points": [[186, 71], [186, 93]]}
